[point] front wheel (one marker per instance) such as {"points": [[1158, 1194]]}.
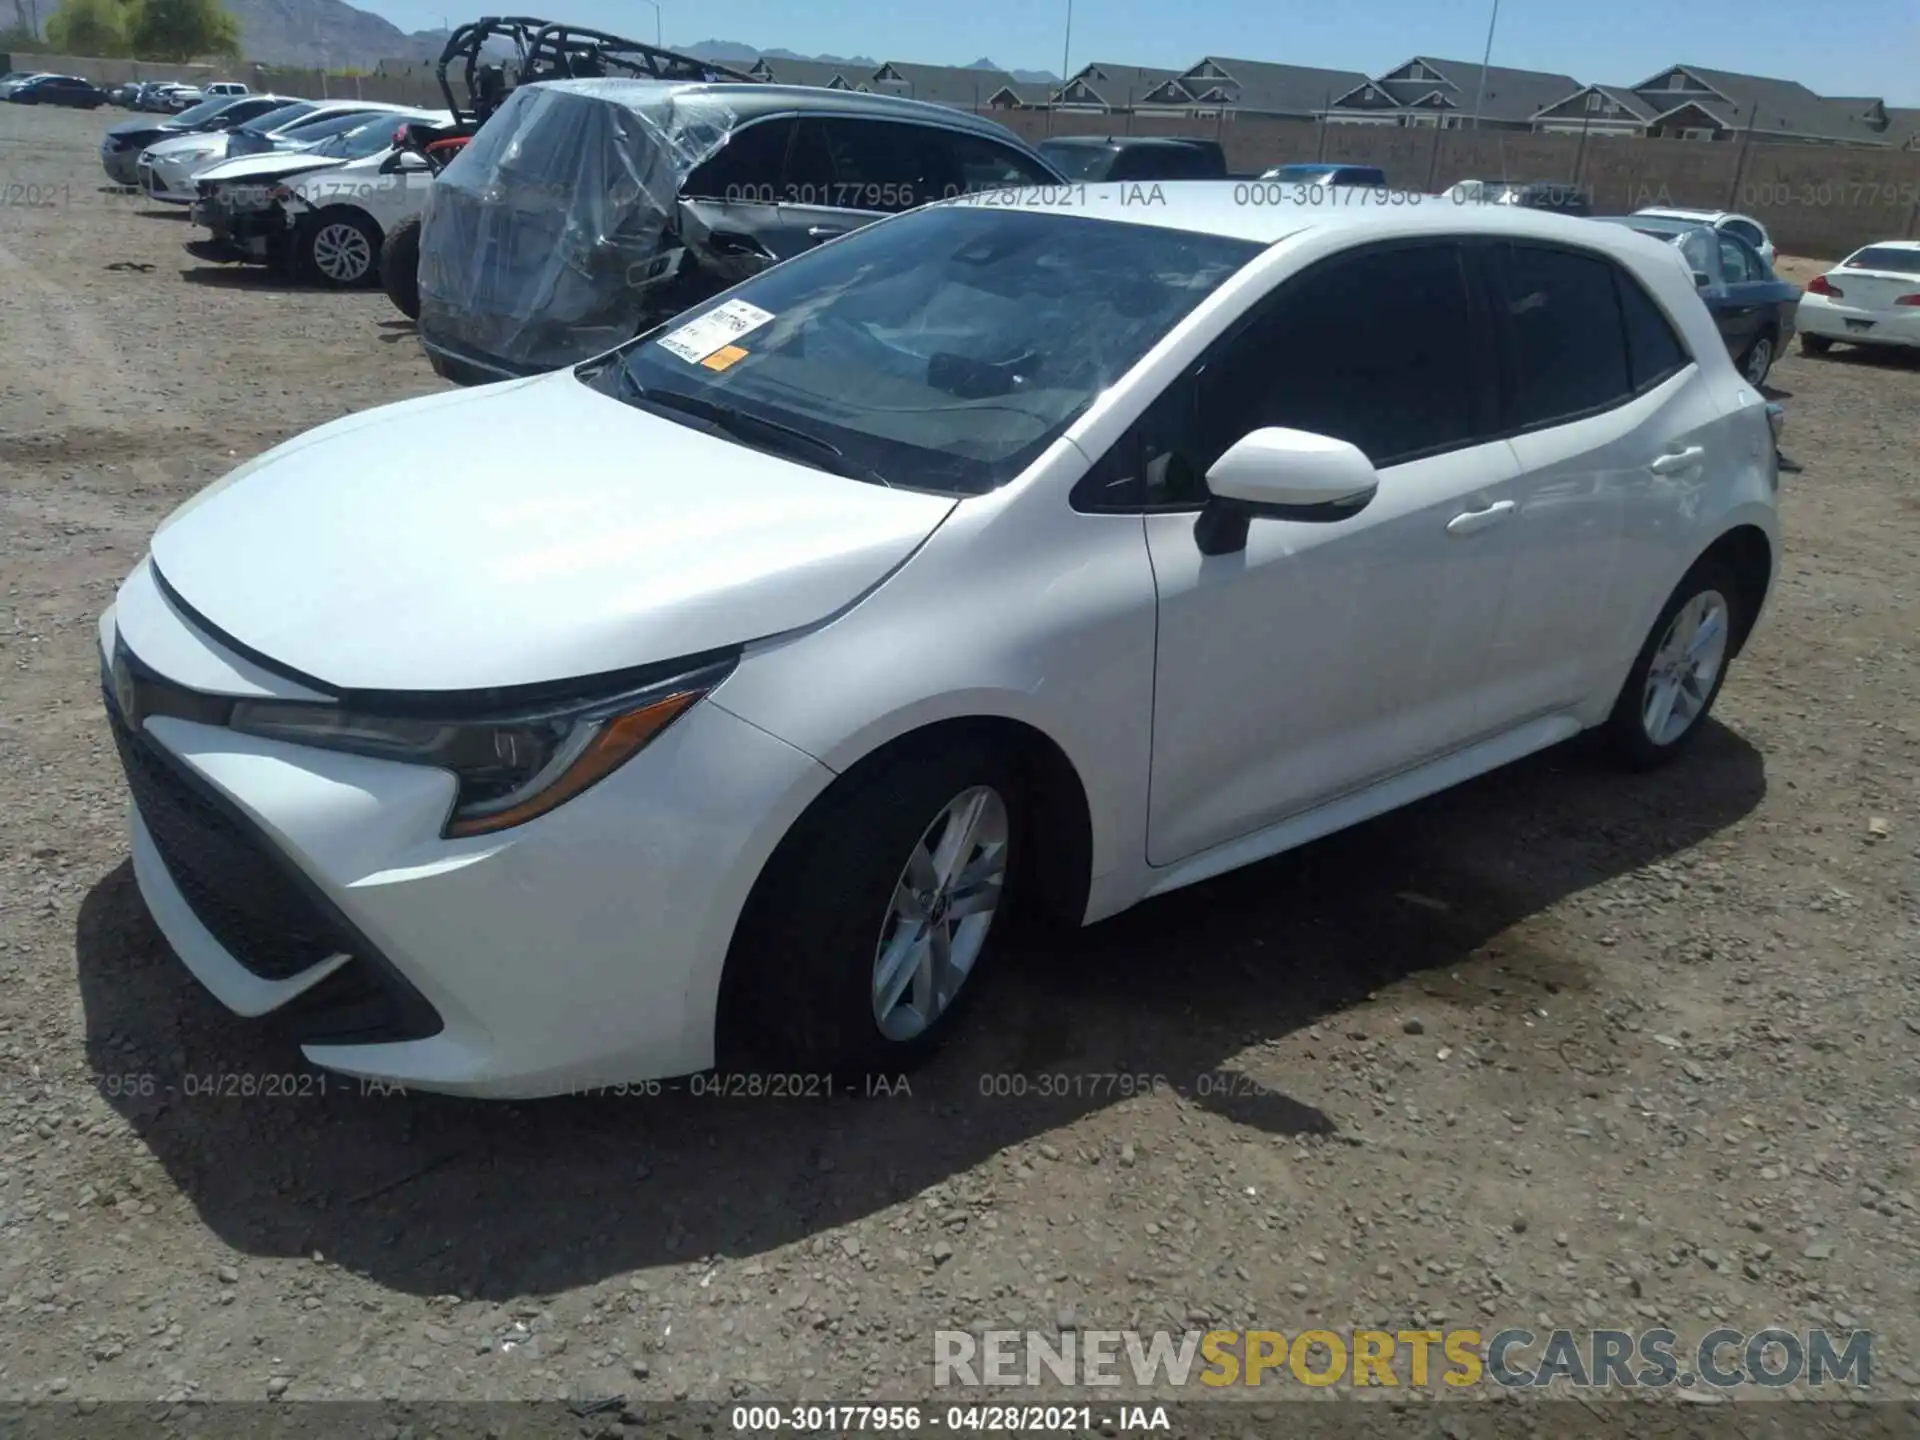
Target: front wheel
{"points": [[875, 916], [338, 248], [1678, 672], [400, 267]]}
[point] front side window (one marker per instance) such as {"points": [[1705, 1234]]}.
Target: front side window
{"points": [[943, 350], [1377, 348], [985, 164], [884, 165], [1569, 347]]}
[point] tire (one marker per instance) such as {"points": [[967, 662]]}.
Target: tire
{"points": [[1756, 362], [1815, 344], [1631, 732], [338, 248], [803, 975], [400, 267]]}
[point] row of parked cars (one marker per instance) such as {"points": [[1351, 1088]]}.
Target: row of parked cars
{"points": [[40, 87], [590, 207]]}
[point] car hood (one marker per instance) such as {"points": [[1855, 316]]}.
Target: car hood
{"points": [[176, 143], [265, 167], [524, 532], [146, 127]]}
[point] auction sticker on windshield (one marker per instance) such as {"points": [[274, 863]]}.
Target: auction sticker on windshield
{"points": [[694, 341]]}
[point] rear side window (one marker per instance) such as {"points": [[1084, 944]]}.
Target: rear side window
{"points": [[1885, 257], [1569, 350], [885, 165], [983, 165], [1738, 265], [748, 168], [1654, 352], [1747, 232]]}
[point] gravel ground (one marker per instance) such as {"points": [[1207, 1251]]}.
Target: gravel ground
{"points": [[1557, 1048]]}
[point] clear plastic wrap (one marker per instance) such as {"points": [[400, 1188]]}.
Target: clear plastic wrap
{"points": [[539, 240]]}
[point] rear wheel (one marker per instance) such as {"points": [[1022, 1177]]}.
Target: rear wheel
{"points": [[1757, 363], [338, 248], [870, 926], [1678, 672], [400, 267], [1815, 344]]}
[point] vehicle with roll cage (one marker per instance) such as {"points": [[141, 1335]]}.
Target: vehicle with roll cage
{"points": [[587, 211]]}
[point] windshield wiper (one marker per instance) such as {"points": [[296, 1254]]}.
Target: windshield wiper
{"points": [[821, 453]]}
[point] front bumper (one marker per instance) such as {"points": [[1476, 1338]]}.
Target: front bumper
{"points": [[584, 948], [1894, 325], [122, 166], [168, 181], [242, 228]]}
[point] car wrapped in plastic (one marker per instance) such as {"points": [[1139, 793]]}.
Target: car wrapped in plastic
{"points": [[585, 211]]}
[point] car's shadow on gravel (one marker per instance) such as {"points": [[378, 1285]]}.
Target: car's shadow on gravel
{"points": [[431, 1195], [244, 277]]}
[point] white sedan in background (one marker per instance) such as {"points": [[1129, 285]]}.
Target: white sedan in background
{"points": [[1745, 226], [993, 559], [168, 169], [1870, 298]]}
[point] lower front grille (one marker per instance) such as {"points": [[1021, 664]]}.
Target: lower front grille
{"points": [[235, 887]]}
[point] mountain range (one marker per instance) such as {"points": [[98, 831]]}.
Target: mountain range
{"points": [[332, 33]]}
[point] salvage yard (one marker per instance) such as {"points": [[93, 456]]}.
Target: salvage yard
{"points": [[1557, 1048]]}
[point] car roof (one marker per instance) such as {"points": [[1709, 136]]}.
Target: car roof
{"points": [[1224, 207], [749, 100]]}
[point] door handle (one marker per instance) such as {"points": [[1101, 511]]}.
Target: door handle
{"points": [[1474, 520], [825, 232], [1674, 461]]}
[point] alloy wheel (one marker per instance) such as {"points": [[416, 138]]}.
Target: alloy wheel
{"points": [[341, 253], [1685, 666], [1760, 361], [943, 905]]}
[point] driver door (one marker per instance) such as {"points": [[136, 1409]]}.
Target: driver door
{"points": [[1328, 655]]}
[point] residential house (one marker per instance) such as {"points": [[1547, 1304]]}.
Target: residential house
{"points": [[1691, 102], [953, 85], [1452, 95], [1022, 95], [1221, 85], [826, 74], [1106, 87]]}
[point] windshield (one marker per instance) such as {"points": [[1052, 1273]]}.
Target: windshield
{"points": [[1299, 172], [262, 125], [1079, 162], [324, 126], [367, 137], [942, 350], [1885, 257]]}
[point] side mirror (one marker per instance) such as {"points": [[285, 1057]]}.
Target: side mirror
{"points": [[1702, 280], [1280, 474], [402, 162]]}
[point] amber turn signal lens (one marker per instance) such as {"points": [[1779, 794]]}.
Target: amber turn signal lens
{"points": [[617, 741]]}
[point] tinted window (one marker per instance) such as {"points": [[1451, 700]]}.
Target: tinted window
{"points": [[1079, 162], [1702, 253], [1737, 263], [748, 167], [1569, 350], [885, 165], [985, 165], [1749, 233], [1376, 348], [1653, 350]]}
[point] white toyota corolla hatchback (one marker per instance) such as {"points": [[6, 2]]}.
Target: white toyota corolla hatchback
{"points": [[723, 699]]}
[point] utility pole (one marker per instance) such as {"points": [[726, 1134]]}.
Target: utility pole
{"points": [[1486, 58], [1740, 161], [1066, 47]]}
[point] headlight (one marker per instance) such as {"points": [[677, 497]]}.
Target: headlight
{"points": [[511, 767]]}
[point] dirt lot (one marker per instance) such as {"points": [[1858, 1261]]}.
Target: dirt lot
{"points": [[1559, 1048]]}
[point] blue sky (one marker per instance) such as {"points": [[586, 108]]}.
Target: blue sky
{"points": [[1868, 47]]}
